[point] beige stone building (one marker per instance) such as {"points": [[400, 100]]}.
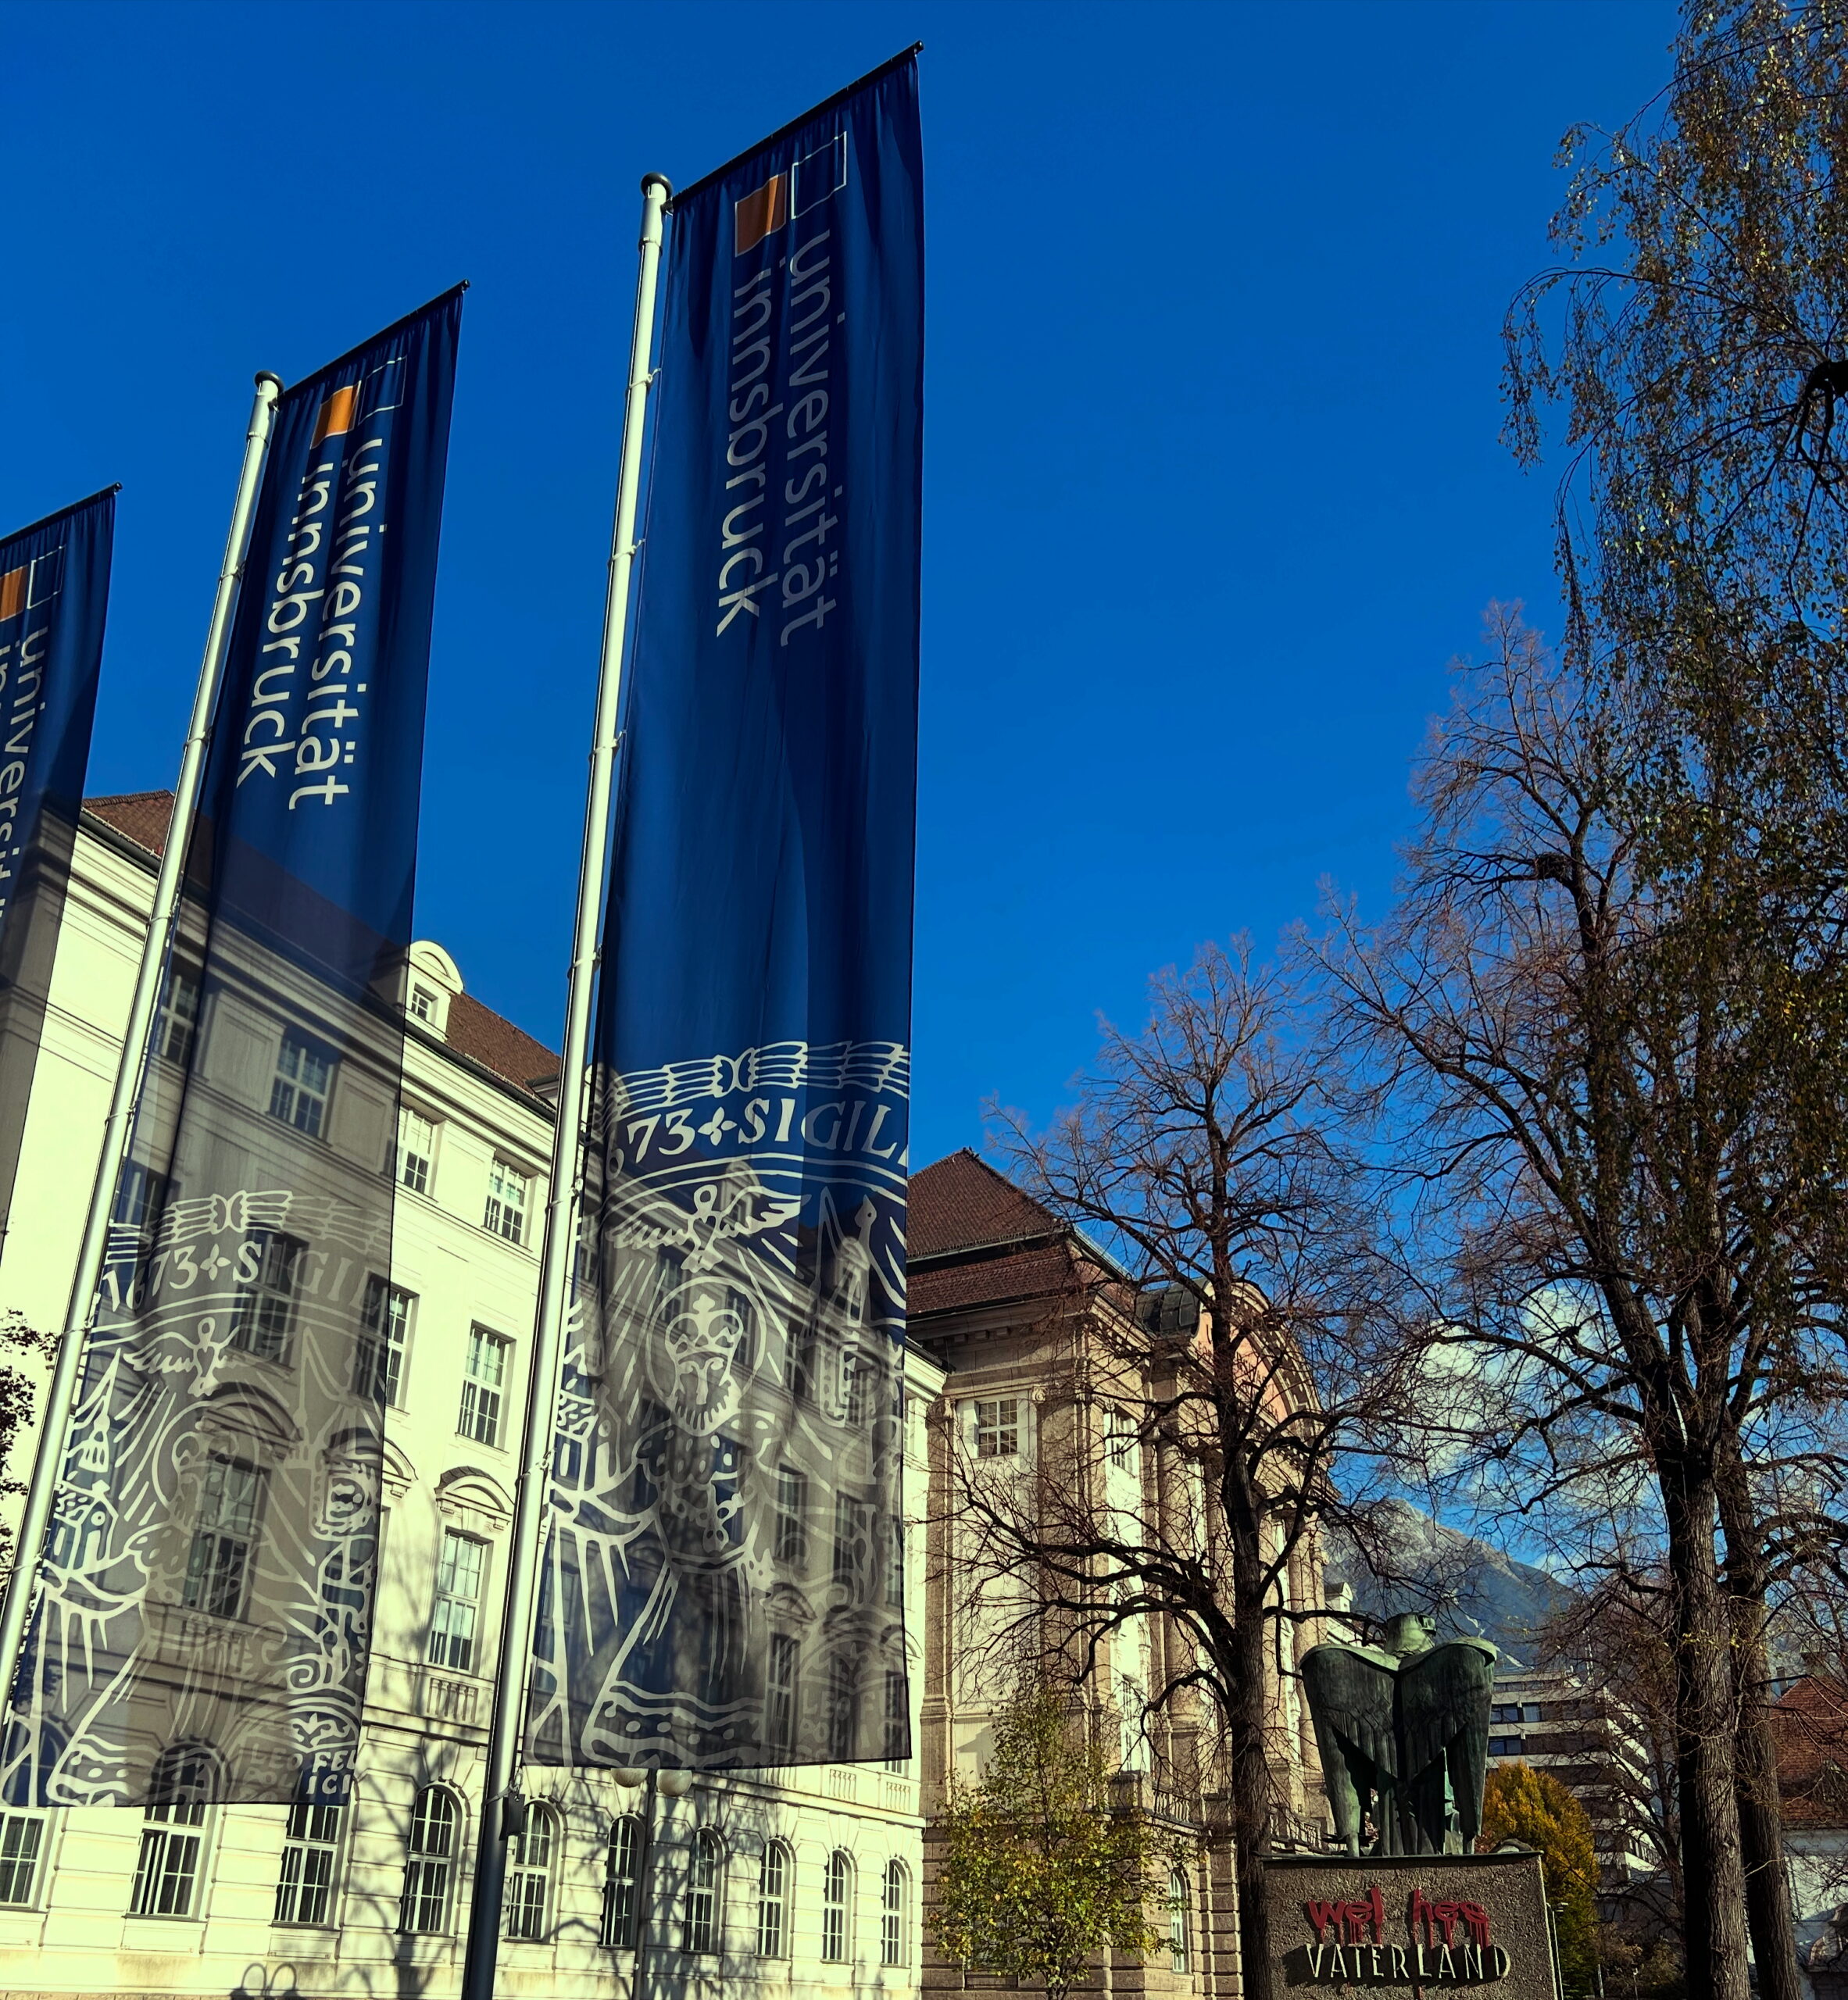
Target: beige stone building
{"points": [[803, 1882], [1039, 1362]]}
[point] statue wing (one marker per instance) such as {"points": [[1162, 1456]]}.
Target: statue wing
{"points": [[1352, 1696], [1444, 1694]]}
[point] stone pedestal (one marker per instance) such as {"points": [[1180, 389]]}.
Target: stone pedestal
{"points": [[1416, 1925]]}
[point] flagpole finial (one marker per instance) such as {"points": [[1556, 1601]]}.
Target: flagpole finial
{"points": [[658, 181], [267, 375]]}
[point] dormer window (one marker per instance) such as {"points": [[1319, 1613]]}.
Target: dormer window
{"points": [[423, 1004]]}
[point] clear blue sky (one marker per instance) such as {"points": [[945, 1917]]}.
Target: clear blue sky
{"points": [[1213, 492]]}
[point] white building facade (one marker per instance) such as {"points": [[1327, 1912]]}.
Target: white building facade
{"points": [[805, 1881]]}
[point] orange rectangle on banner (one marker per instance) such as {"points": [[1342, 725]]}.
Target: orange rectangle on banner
{"points": [[336, 416], [757, 215], [12, 593]]}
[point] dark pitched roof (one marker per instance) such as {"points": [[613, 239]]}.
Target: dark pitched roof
{"points": [[476, 1033], [960, 1203], [975, 1239]]}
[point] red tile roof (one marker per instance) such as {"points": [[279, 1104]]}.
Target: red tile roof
{"points": [[960, 1202], [142, 816], [475, 1032], [1811, 1725]]}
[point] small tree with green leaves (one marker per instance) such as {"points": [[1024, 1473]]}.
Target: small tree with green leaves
{"points": [[1519, 1803], [1039, 1873]]}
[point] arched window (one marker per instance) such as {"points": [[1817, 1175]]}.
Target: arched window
{"points": [[622, 1870], [1177, 1900], [529, 1875], [776, 1879], [837, 1907], [895, 1916], [310, 1853], [429, 1865], [702, 1892], [843, 1709]]}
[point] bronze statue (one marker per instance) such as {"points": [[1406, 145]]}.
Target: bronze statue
{"points": [[1402, 1728]]}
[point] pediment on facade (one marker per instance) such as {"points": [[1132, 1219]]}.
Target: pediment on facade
{"points": [[478, 1491], [785, 1603]]}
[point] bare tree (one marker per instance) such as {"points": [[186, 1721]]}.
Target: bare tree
{"points": [[1222, 1345], [1618, 1135]]}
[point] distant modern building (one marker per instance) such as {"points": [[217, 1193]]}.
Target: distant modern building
{"points": [[803, 1882], [1555, 1721]]}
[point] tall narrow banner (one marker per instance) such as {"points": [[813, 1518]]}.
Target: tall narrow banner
{"points": [[722, 1579], [54, 596], [205, 1604]]}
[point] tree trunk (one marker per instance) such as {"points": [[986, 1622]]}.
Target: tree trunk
{"points": [[1768, 1914], [1251, 1792], [1710, 1857]]}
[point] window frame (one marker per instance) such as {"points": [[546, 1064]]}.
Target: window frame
{"points": [[782, 1707], [442, 1634], [503, 1178], [616, 1929], [471, 1421], [894, 1914], [264, 1311], [38, 1862], [522, 1871], [1180, 1926], [421, 1864], [791, 1518], [774, 1904], [1008, 1433], [837, 1909], [181, 1824], [303, 1835], [385, 1343], [702, 1917], [402, 1157], [291, 1088], [211, 1537], [182, 977]]}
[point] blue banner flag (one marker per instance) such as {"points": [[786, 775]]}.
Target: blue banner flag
{"points": [[205, 1611], [53, 596], [723, 1584]]}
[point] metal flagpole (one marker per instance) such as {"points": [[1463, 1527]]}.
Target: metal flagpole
{"points": [[501, 1814], [48, 1466]]}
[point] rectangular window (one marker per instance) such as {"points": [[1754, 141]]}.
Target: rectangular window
{"points": [[310, 1846], [1505, 1746], [998, 1428], [423, 1004], [416, 1149], [780, 1711], [484, 1386], [21, 1841], [854, 1377], [849, 1555], [458, 1602], [218, 1565], [140, 1195], [1505, 1711], [507, 1188], [895, 1569], [792, 1517], [264, 1317], [898, 1723], [304, 1078], [176, 1025], [167, 1874], [384, 1334], [843, 1711], [744, 1356]]}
